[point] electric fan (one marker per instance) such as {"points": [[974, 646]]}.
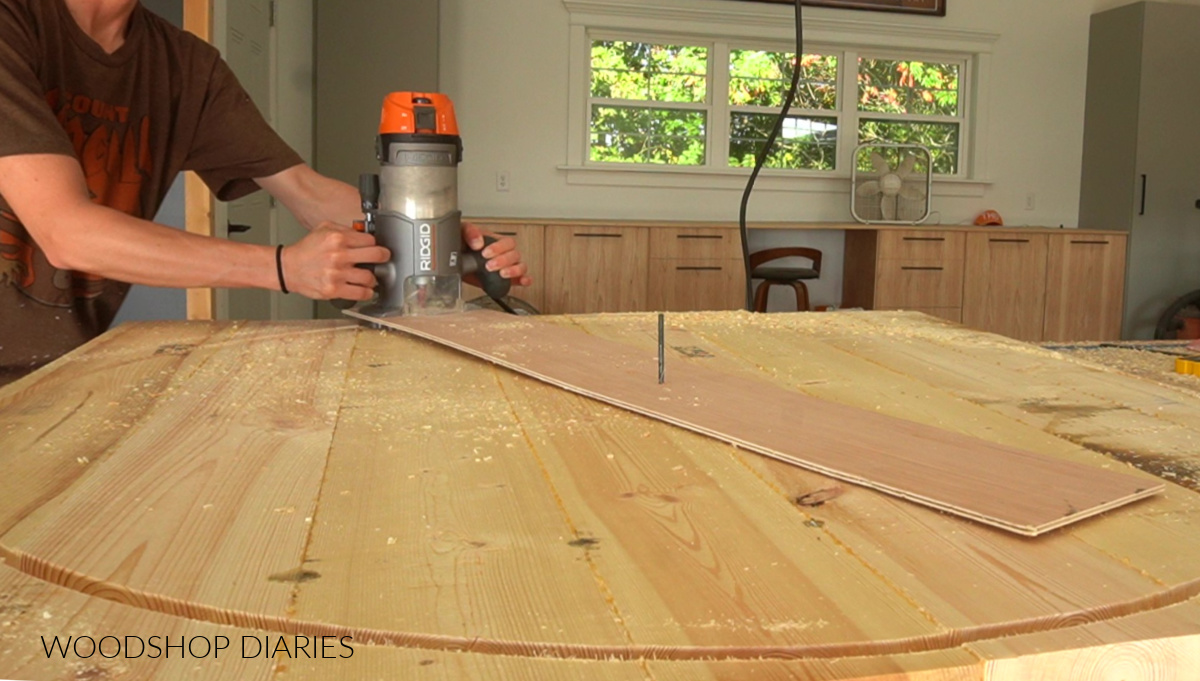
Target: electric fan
{"points": [[897, 188]]}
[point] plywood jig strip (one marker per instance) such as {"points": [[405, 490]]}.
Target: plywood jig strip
{"points": [[1008, 488]]}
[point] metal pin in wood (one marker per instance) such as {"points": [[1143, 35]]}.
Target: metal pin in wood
{"points": [[661, 354]]}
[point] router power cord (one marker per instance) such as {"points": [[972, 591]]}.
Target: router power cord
{"points": [[766, 149]]}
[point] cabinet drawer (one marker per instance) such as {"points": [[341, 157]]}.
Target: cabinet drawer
{"points": [[908, 284], [683, 285], [919, 244], [680, 243]]}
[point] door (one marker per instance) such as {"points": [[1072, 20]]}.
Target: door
{"points": [[1085, 280], [596, 269], [269, 47], [1004, 287], [1164, 244]]}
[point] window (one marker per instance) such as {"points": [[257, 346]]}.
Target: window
{"points": [[713, 103]]}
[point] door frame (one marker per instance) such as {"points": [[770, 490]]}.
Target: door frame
{"points": [[198, 200], [201, 210]]}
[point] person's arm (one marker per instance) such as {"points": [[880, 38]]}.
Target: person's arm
{"points": [[49, 196], [317, 200]]}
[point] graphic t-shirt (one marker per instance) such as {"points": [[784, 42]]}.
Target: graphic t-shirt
{"points": [[165, 101]]}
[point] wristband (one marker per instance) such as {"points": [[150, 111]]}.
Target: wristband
{"points": [[279, 267]]}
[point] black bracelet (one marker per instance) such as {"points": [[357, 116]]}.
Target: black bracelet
{"points": [[279, 267]]}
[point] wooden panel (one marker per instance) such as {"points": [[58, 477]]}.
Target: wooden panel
{"points": [[683, 285], [531, 242], [1085, 287], [1004, 487], [858, 269], [205, 479], [921, 244], [596, 269], [198, 218], [1005, 284], [489, 526], [695, 243], [904, 284]]}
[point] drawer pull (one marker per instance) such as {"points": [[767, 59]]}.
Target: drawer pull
{"points": [[925, 269], [1009, 241], [598, 236], [924, 238], [699, 269], [507, 233], [1080, 241], [699, 236]]}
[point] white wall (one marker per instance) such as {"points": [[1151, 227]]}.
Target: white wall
{"points": [[505, 66]]}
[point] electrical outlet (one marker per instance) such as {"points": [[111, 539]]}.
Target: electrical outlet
{"points": [[1030, 201], [502, 181]]}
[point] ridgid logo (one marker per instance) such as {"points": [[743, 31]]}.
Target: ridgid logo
{"points": [[197, 647], [425, 247]]}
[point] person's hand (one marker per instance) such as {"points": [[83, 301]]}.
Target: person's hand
{"points": [[321, 266], [501, 256]]}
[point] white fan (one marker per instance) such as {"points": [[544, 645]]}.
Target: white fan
{"points": [[893, 194]]}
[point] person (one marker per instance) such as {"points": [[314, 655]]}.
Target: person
{"points": [[102, 104]]}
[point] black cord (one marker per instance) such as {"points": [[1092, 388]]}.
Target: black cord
{"points": [[766, 149]]}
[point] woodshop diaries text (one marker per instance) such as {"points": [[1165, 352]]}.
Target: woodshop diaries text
{"points": [[198, 647]]}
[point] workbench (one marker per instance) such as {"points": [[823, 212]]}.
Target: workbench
{"points": [[216, 481]]}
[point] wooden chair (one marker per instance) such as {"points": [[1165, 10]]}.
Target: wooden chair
{"points": [[789, 276]]}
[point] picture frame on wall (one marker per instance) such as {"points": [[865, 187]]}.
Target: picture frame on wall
{"points": [[935, 8]]}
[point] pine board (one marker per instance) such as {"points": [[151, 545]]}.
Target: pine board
{"points": [[465, 521], [1011, 489]]}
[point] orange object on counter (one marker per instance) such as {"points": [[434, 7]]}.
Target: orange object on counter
{"points": [[989, 217]]}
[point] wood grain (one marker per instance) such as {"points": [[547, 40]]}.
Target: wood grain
{"points": [[200, 481], [1004, 290], [1011, 489], [470, 522], [1085, 287], [596, 269]]}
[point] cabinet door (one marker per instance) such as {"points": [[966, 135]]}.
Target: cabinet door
{"points": [[1085, 287], [685, 285], [531, 242], [920, 244], [908, 284], [1004, 289], [595, 269], [699, 243]]}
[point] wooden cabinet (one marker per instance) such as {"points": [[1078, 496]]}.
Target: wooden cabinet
{"points": [[1085, 287], [1004, 289], [596, 269], [531, 242], [905, 270], [694, 268], [1027, 284]]}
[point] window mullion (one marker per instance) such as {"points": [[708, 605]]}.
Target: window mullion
{"points": [[718, 99], [847, 110]]}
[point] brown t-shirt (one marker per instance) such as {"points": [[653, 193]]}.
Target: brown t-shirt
{"points": [[165, 101]]}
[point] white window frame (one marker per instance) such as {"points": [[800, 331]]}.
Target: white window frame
{"points": [[768, 27]]}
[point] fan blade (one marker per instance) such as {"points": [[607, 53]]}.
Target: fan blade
{"points": [[868, 188], [879, 164], [913, 192], [887, 206], [906, 166]]}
